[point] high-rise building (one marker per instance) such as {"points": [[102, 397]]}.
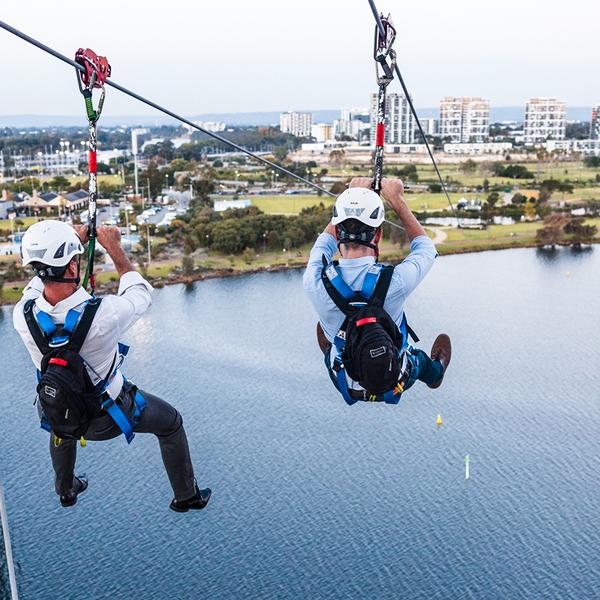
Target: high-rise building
{"points": [[298, 124], [595, 133], [399, 122], [464, 120], [545, 119]]}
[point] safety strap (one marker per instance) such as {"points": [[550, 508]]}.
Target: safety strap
{"points": [[123, 422], [339, 291]]}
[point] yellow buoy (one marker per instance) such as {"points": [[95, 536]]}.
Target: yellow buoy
{"points": [[439, 421]]}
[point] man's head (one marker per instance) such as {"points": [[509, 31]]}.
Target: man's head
{"points": [[358, 215], [53, 250]]}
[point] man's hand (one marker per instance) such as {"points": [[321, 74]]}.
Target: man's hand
{"points": [[365, 182], [330, 229], [109, 237], [83, 232], [392, 191]]}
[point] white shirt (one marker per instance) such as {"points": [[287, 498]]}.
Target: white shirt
{"points": [[114, 317]]}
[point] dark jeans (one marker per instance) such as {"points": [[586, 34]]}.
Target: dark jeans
{"points": [[423, 368], [159, 418]]}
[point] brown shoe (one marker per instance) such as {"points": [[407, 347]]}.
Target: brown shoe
{"points": [[324, 343], [442, 351]]}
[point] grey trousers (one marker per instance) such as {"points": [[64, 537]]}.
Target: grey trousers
{"points": [[159, 418]]}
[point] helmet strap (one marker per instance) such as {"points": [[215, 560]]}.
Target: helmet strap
{"points": [[55, 274]]}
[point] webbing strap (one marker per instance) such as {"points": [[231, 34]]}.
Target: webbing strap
{"points": [[71, 320], [89, 312], [119, 417], [34, 329], [45, 322], [383, 285], [126, 425], [371, 279]]}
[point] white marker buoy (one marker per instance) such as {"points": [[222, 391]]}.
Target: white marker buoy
{"points": [[467, 461], [9, 557]]}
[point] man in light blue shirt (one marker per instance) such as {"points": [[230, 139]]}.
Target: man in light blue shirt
{"points": [[357, 239]]}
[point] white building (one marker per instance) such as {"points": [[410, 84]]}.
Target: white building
{"points": [[430, 126], [298, 124], [352, 122], [476, 149], [595, 133], [585, 147], [464, 120], [399, 122], [545, 119], [322, 132]]}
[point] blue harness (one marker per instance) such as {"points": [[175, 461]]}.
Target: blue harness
{"points": [[347, 297], [55, 337]]}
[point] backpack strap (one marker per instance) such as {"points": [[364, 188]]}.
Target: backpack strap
{"points": [[377, 298], [81, 330], [39, 337], [337, 289]]}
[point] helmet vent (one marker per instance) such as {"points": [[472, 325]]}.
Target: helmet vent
{"points": [[375, 213], [60, 251]]}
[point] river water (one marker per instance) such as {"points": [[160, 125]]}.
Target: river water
{"points": [[314, 499]]}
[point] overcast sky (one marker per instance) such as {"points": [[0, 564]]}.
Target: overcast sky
{"points": [[240, 56]]}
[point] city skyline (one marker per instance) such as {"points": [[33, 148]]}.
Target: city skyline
{"points": [[262, 67]]}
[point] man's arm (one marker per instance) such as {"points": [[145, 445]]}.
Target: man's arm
{"points": [[134, 296], [326, 245]]}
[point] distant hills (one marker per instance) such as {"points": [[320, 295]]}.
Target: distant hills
{"points": [[499, 113]]}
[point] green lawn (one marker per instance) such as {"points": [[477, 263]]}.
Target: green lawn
{"points": [[287, 204], [5, 223], [83, 179]]}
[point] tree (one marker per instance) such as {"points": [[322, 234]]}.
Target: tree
{"points": [[552, 233], [468, 166], [59, 183], [492, 199], [580, 232], [187, 265], [592, 161], [156, 178], [337, 157]]}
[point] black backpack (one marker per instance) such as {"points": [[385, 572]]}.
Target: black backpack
{"points": [[68, 398], [370, 343]]}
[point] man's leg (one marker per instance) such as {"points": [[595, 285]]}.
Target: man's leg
{"points": [[63, 458], [431, 370], [165, 422], [424, 368]]}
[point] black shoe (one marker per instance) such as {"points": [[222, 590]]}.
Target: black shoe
{"points": [[197, 502], [70, 498]]}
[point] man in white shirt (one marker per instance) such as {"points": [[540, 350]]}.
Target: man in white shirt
{"points": [[356, 232], [54, 250]]}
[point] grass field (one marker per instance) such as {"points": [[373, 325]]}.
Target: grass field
{"points": [[288, 204], [83, 179], [27, 221]]}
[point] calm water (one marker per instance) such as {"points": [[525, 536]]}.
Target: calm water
{"points": [[314, 499]]}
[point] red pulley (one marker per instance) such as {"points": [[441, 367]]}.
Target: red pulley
{"points": [[97, 69]]}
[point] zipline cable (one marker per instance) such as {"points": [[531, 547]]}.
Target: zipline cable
{"points": [[381, 28]]}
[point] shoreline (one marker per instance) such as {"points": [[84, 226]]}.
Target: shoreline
{"points": [[179, 279]]}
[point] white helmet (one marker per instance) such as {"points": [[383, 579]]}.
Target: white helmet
{"points": [[361, 204], [51, 243]]}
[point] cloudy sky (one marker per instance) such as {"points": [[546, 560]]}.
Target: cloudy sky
{"points": [[239, 56]]}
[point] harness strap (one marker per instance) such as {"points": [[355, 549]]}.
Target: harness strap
{"points": [[34, 328], [377, 298], [370, 282], [338, 290], [123, 422], [78, 336]]}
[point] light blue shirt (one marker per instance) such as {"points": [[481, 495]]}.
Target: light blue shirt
{"points": [[407, 276]]}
